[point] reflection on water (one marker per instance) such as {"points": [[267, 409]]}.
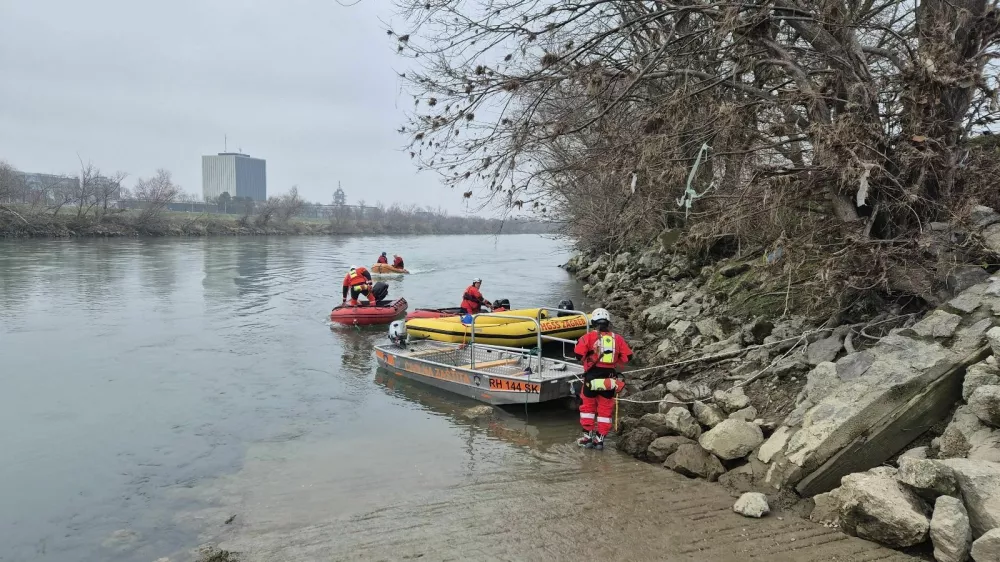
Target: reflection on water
{"points": [[139, 374]]}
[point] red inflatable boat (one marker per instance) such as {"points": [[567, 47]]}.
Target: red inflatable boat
{"points": [[366, 315]]}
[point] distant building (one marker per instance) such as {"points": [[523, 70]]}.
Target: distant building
{"points": [[234, 173], [50, 186]]}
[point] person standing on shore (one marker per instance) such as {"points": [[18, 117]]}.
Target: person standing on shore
{"points": [[602, 353], [359, 282]]}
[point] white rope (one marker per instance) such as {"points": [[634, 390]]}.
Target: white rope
{"points": [[756, 375]]}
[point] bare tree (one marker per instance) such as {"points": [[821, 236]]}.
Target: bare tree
{"points": [[289, 205], [267, 211], [10, 183], [106, 190], [155, 195], [843, 123]]}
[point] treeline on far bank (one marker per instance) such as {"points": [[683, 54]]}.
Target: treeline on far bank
{"points": [[151, 210]]}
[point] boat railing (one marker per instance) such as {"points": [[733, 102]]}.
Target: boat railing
{"points": [[538, 332], [565, 312]]}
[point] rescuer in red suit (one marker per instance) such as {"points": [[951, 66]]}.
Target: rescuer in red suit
{"points": [[358, 281], [472, 299], [602, 353]]}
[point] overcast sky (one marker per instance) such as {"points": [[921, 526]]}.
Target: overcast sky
{"points": [[308, 85]]}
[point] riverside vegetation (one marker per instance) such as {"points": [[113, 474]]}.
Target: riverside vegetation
{"points": [[99, 206], [761, 194]]}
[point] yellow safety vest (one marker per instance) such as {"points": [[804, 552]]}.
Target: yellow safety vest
{"points": [[605, 348]]}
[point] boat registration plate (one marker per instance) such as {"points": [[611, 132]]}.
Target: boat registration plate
{"points": [[514, 386]]}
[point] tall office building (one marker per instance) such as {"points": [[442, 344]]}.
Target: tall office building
{"points": [[234, 173]]}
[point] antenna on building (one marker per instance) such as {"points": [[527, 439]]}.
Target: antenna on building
{"points": [[225, 143]]}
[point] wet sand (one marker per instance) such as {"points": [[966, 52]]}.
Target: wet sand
{"points": [[517, 492]]}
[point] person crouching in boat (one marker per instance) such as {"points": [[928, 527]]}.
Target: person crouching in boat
{"points": [[359, 282], [472, 300], [602, 352], [397, 262], [382, 259]]}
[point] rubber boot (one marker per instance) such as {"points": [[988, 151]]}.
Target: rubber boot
{"points": [[598, 442], [354, 302], [587, 439]]}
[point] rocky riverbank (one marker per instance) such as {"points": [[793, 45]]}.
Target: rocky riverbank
{"points": [[739, 388]]}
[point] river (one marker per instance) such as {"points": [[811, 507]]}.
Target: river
{"points": [[159, 394]]}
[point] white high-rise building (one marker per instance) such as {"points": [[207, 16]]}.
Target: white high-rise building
{"points": [[235, 173]]}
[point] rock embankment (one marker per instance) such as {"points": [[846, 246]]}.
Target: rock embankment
{"points": [[773, 403]]}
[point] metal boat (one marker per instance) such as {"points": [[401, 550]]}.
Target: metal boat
{"points": [[493, 374]]}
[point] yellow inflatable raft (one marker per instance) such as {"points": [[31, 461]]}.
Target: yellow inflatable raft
{"points": [[495, 330]]}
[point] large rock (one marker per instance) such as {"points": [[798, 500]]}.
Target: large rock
{"points": [[663, 447], [746, 414], [950, 531], [987, 547], [679, 421], [660, 316], [707, 415], [693, 461], [640, 406], [774, 444], [929, 478], [900, 369], [687, 392], [993, 336], [627, 424], [670, 402], [985, 403], [636, 441], [826, 508], [732, 400], [876, 507], [752, 504], [824, 350], [657, 423], [980, 374], [732, 439], [713, 327], [964, 433], [938, 324], [980, 485]]}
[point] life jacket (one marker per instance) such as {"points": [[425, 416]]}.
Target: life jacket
{"points": [[604, 350], [382, 259], [397, 262], [472, 300], [356, 278]]}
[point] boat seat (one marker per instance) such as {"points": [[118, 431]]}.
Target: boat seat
{"points": [[488, 364]]}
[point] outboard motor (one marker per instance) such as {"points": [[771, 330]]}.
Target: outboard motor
{"points": [[565, 304], [397, 333], [501, 304], [380, 290]]}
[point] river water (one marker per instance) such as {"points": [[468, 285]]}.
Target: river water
{"points": [[160, 394], [136, 371]]}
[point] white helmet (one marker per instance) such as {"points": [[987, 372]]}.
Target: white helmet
{"points": [[397, 330], [600, 315], [476, 280]]}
